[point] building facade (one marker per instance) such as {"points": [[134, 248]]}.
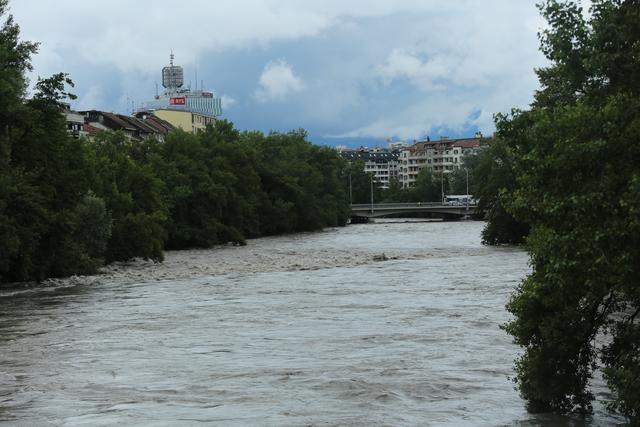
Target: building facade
{"points": [[178, 107], [189, 110], [441, 157], [189, 121], [75, 121], [383, 164], [135, 128]]}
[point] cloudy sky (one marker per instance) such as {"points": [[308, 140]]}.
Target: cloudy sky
{"points": [[344, 70]]}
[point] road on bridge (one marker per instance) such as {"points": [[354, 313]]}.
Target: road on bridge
{"points": [[377, 210]]}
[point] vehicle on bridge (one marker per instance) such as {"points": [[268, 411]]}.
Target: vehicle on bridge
{"points": [[460, 200]]}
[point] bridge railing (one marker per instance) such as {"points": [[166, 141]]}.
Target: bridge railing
{"points": [[358, 206]]}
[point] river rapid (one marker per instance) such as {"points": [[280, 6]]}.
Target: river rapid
{"points": [[386, 324]]}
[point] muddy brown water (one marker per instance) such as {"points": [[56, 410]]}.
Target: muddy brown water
{"points": [[308, 329]]}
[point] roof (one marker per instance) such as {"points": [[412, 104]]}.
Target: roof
{"points": [[162, 122], [91, 130], [467, 143], [139, 124], [119, 121], [445, 143], [158, 124], [139, 127]]}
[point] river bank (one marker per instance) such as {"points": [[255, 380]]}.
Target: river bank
{"points": [[264, 254]]}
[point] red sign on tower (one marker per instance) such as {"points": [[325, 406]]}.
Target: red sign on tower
{"points": [[180, 100]]}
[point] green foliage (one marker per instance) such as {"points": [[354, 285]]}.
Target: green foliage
{"points": [[622, 361], [53, 88], [92, 227], [577, 183], [458, 178], [302, 184], [15, 60], [428, 187], [224, 186], [493, 179], [132, 193], [80, 247], [362, 183], [194, 199], [44, 175], [395, 193]]}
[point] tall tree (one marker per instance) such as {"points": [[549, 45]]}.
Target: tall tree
{"points": [[428, 186], [395, 193], [133, 194], [44, 175], [361, 183], [493, 179], [15, 60], [576, 158]]}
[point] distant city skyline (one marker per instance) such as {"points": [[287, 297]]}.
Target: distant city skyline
{"points": [[352, 73]]}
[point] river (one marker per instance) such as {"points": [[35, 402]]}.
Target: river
{"points": [[386, 324]]}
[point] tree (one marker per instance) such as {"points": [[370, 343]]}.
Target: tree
{"points": [[428, 187], [395, 193], [493, 179], [577, 184], [303, 184], [52, 89], [361, 184], [44, 174], [91, 230], [133, 195], [223, 186], [458, 181], [15, 61]]}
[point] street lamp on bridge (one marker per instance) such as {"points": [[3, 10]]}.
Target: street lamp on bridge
{"points": [[442, 183], [467, 198], [371, 177]]}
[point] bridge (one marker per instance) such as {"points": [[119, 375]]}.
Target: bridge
{"points": [[362, 212]]}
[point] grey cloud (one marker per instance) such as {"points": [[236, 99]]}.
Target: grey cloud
{"points": [[360, 67]]}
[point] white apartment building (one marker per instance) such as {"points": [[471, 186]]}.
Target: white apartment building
{"points": [[75, 121], [442, 156], [383, 164]]}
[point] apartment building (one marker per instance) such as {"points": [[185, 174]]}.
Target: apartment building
{"points": [[441, 156], [383, 164], [75, 121]]}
